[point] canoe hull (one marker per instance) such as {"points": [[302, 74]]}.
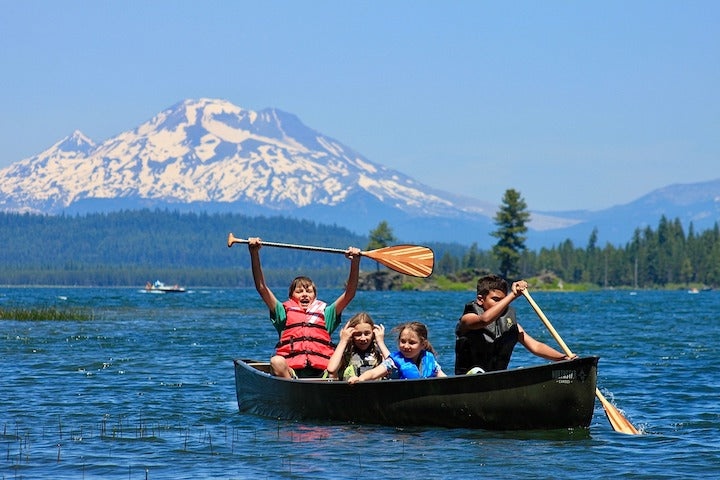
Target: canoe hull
{"points": [[553, 396]]}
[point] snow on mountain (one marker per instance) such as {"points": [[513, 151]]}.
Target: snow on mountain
{"points": [[77, 142], [210, 151], [211, 155]]}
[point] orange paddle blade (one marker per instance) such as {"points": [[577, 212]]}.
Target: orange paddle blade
{"points": [[618, 422], [407, 259]]}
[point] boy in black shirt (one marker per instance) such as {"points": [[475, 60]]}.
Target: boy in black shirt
{"points": [[487, 332]]}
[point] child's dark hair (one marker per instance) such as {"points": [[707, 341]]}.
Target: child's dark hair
{"points": [[491, 282], [420, 330], [356, 320], [303, 282]]}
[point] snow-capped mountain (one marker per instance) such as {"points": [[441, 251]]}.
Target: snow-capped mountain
{"points": [[211, 155], [209, 151], [215, 155]]}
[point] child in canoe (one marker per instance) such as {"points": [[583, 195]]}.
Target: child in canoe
{"points": [[415, 357], [361, 348], [303, 322], [488, 331]]}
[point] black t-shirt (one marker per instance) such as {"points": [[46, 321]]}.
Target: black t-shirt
{"points": [[489, 347]]}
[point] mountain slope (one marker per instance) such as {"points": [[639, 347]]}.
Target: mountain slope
{"points": [[698, 203], [211, 155], [210, 151]]}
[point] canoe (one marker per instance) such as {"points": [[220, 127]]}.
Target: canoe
{"points": [[557, 395]]}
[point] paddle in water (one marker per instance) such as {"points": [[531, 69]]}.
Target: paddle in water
{"points": [[617, 420], [410, 260]]}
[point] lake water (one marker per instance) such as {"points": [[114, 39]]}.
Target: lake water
{"points": [[146, 390]]}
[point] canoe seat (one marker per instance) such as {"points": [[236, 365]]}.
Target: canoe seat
{"points": [[262, 366]]}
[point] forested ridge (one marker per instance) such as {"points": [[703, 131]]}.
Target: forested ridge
{"points": [[132, 247], [654, 258]]}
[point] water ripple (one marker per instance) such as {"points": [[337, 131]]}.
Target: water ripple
{"points": [[147, 388]]}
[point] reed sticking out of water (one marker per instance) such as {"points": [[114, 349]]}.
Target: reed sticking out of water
{"points": [[46, 313]]}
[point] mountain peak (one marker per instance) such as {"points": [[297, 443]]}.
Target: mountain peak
{"points": [[210, 154], [687, 194], [76, 142], [209, 150]]}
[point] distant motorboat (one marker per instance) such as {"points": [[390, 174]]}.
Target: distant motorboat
{"points": [[693, 290], [160, 287]]}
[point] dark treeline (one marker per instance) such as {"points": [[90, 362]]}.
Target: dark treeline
{"points": [[133, 247], [651, 259]]}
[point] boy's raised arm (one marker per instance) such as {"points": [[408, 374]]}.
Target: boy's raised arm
{"points": [[266, 294], [473, 321], [344, 299]]}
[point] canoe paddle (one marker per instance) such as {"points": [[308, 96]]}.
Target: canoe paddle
{"points": [[617, 420], [407, 259]]}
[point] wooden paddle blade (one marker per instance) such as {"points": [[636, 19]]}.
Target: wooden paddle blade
{"points": [[407, 259], [618, 422]]}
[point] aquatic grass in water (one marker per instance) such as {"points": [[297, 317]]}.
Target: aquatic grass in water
{"points": [[46, 313]]}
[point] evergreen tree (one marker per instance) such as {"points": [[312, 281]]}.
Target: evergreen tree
{"points": [[634, 251], [593, 259], [382, 236], [472, 257], [510, 220], [447, 264]]}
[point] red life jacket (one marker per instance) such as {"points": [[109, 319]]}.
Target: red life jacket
{"points": [[305, 341]]}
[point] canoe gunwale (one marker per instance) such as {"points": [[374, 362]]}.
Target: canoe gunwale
{"points": [[551, 396]]}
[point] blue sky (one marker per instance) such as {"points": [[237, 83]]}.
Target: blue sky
{"points": [[577, 105]]}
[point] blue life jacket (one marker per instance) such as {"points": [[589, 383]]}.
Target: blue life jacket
{"points": [[408, 369]]}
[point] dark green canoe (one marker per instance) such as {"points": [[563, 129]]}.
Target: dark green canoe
{"points": [[552, 396]]}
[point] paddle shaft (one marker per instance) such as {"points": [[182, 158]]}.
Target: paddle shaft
{"points": [[617, 420], [547, 323], [233, 240], [407, 259]]}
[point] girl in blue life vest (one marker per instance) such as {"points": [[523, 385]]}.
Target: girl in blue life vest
{"points": [[361, 348], [414, 359]]}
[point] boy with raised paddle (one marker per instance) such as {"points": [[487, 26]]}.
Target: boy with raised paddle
{"points": [[303, 322]]}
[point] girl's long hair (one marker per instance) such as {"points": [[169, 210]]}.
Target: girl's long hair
{"points": [[422, 332], [356, 320]]}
